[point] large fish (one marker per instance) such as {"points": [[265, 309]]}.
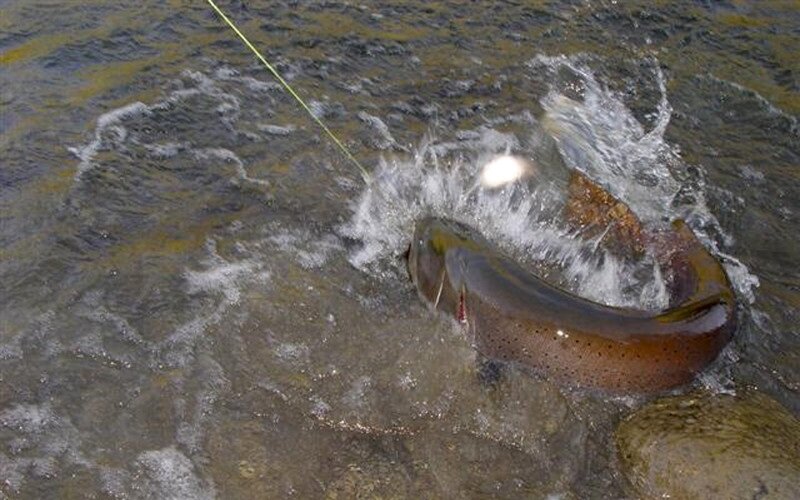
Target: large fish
{"points": [[514, 316]]}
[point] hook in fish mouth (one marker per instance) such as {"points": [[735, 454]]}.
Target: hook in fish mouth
{"points": [[441, 287]]}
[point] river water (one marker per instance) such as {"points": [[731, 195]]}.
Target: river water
{"points": [[201, 298]]}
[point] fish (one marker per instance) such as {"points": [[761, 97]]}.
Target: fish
{"points": [[516, 317]]}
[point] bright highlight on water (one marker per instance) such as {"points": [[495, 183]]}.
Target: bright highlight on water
{"points": [[504, 170]]}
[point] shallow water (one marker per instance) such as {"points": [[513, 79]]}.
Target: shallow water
{"points": [[202, 299]]}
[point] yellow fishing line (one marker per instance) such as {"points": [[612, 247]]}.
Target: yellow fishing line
{"points": [[291, 91]]}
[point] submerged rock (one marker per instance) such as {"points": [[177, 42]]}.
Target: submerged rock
{"points": [[712, 446]]}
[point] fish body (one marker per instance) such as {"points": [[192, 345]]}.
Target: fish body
{"points": [[515, 316]]}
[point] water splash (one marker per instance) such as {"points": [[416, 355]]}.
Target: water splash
{"points": [[601, 137], [593, 132]]}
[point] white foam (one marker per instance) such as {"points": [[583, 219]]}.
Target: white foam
{"points": [[213, 382], [309, 251], [356, 396], [27, 418], [166, 150], [170, 475], [227, 73], [222, 276], [111, 132], [99, 313], [12, 472], [11, 349], [108, 130], [296, 354], [41, 440], [383, 138], [744, 281], [751, 174], [319, 407], [115, 482], [228, 156], [219, 277], [276, 130]]}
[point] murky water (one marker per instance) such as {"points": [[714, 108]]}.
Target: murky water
{"points": [[201, 298]]}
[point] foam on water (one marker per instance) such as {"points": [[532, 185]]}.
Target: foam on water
{"points": [[309, 251], [228, 156], [169, 474], [108, 132], [212, 381], [595, 134], [220, 280], [383, 137], [43, 442], [28, 418], [42, 439], [112, 128], [100, 314]]}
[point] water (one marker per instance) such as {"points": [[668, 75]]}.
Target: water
{"points": [[202, 299]]}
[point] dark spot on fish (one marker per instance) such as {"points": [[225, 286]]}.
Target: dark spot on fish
{"points": [[489, 371]]}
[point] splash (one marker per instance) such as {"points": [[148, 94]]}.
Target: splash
{"points": [[601, 137], [592, 131]]}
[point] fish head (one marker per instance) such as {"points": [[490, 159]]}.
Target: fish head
{"points": [[426, 258], [434, 255]]}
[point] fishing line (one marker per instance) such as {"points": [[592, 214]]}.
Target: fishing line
{"points": [[291, 91]]}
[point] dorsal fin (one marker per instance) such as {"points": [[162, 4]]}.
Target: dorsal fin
{"points": [[594, 211], [695, 275]]}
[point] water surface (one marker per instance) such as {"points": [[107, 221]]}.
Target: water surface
{"points": [[202, 299]]}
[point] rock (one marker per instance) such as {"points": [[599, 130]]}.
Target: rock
{"points": [[712, 446]]}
